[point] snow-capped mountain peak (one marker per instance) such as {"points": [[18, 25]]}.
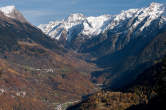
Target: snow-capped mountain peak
{"points": [[88, 26], [77, 24], [155, 8], [12, 12], [7, 10], [95, 25], [76, 17], [155, 5]]}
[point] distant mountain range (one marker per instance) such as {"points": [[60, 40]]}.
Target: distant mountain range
{"points": [[118, 43], [130, 22]]}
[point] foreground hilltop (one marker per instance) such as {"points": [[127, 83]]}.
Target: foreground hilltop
{"points": [[36, 72]]}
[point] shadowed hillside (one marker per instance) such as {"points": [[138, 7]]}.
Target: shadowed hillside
{"points": [[147, 92]]}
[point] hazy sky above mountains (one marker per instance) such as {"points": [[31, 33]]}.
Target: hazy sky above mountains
{"points": [[43, 11]]}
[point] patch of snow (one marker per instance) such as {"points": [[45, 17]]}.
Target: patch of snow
{"points": [[95, 25], [7, 10]]}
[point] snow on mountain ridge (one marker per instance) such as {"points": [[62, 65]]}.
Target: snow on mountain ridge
{"points": [[73, 20], [76, 17], [12, 12], [95, 25], [7, 10], [154, 11], [92, 26]]}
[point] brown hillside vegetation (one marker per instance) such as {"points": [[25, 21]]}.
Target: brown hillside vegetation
{"points": [[35, 72]]}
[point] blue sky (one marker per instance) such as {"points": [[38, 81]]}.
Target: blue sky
{"points": [[43, 11]]}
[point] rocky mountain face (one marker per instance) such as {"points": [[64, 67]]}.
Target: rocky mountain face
{"points": [[117, 43], [36, 72]]}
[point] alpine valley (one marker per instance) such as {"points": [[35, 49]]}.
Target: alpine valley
{"points": [[108, 62], [120, 44]]}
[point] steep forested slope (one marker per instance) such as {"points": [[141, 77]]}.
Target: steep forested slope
{"points": [[147, 92]]}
